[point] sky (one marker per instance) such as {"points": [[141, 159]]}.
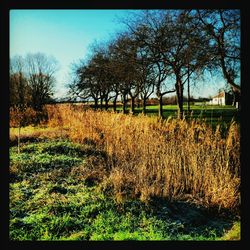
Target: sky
{"points": [[67, 35]]}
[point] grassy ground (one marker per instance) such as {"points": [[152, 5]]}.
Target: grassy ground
{"points": [[54, 195], [88, 175], [212, 114]]}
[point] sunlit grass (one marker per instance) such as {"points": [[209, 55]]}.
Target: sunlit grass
{"points": [[234, 233], [60, 205]]}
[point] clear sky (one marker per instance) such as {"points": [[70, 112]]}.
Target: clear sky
{"points": [[66, 35]]}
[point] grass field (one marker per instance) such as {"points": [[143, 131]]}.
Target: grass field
{"points": [[88, 175], [212, 114]]}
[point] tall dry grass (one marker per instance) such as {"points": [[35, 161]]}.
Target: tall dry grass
{"points": [[148, 157]]}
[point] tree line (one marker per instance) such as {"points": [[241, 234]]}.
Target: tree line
{"points": [[158, 53]]}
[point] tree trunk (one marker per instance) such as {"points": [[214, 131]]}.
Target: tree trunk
{"points": [[124, 104], [132, 106], [96, 103], [106, 104], [18, 140], [234, 100], [237, 100], [144, 105], [227, 75], [179, 94], [138, 103], [160, 109], [188, 89], [114, 103], [101, 103]]}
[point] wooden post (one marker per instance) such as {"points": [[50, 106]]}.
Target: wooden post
{"points": [[188, 89], [18, 139]]}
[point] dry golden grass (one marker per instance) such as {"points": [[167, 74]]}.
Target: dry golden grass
{"points": [[30, 125], [148, 157], [30, 133]]}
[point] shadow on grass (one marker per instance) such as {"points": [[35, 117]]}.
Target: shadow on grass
{"points": [[175, 220], [193, 220], [185, 221]]}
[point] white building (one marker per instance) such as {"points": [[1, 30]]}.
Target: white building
{"points": [[222, 98]]}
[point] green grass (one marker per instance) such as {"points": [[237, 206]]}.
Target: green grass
{"points": [[50, 199], [212, 114], [233, 233]]}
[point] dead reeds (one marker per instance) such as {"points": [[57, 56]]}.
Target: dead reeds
{"points": [[148, 157]]}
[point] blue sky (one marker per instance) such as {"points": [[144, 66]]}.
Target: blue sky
{"points": [[66, 35]]}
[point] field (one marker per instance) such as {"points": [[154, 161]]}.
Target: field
{"points": [[98, 175], [211, 114]]}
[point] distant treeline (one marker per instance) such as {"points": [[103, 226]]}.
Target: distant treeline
{"points": [[32, 81], [172, 100]]}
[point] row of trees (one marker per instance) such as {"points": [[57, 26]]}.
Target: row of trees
{"points": [[159, 53], [32, 80]]}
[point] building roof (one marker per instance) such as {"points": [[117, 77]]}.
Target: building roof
{"points": [[221, 94]]}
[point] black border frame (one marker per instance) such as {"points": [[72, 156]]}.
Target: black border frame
{"points": [[123, 4]]}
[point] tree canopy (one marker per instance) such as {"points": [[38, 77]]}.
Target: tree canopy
{"points": [[158, 53]]}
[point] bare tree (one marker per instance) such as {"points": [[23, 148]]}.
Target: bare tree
{"points": [[174, 46], [105, 75], [40, 72], [93, 79], [19, 89], [184, 52], [149, 34], [223, 32], [84, 84], [124, 58], [114, 76], [146, 81]]}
